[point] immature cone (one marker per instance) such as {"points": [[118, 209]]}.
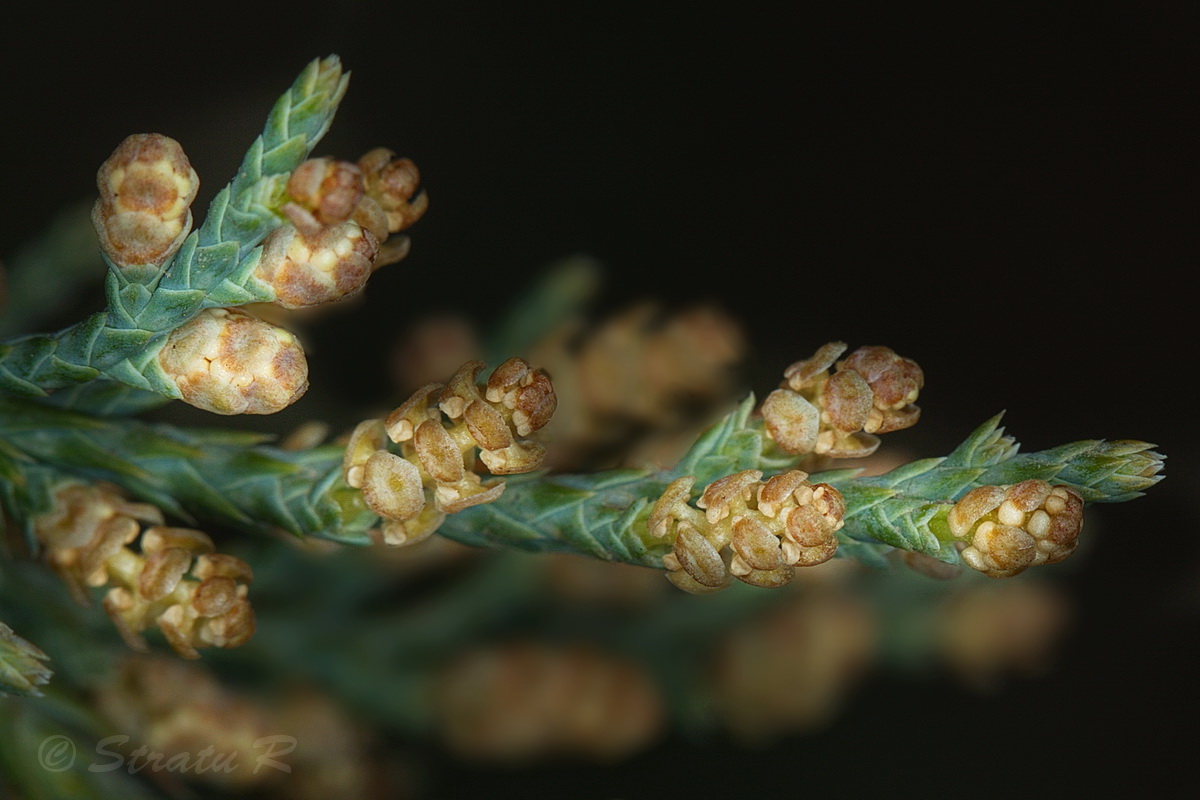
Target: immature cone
{"points": [[837, 414], [229, 362], [195, 596], [324, 192], [769, 527], [322, 266], [146, 190], [1008, 529]]}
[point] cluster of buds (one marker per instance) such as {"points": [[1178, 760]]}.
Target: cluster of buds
{"points": [[197, 597], [341, 215], [838, 414], [769, 528], [1008, 529], [525, 701], [229, 362], [146, 190], [439, 428], [787, 671]]}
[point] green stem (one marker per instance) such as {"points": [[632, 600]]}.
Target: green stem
{"points": [[218, 476]]}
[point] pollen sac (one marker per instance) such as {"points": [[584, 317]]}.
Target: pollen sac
{"points": [[506, 378], [328, 264], [895, 383], [80, 509], [808, 371], [146, 190], [757, 556], [461, 389], [163, 571], [532, 404], [466, 493], [438, 452], [404, 420], [517, 458], [228, 362], [368, 437], [811, 524], [696, 556], [487, 425], [1008, 529], [392, 486], [720, 496], [415, 530], [672, 506], [847, 400], [791, 421]]}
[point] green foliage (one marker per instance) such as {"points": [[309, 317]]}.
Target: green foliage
{"points": [[21, 668], [214, 267]]}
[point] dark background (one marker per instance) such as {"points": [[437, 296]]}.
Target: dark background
{"points": [[1006, 195]]}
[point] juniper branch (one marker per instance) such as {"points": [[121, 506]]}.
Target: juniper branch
{"points": [[907, 507], [604, 514], [214, 267], [237, 479]]}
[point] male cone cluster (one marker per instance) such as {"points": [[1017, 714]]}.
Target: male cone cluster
{"points": [[434, 473], [769, 527], [340, 216], [838, 413], [1008, 529], [174, 580]]}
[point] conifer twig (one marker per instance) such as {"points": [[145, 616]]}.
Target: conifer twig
{"points": [[214, 267]]}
